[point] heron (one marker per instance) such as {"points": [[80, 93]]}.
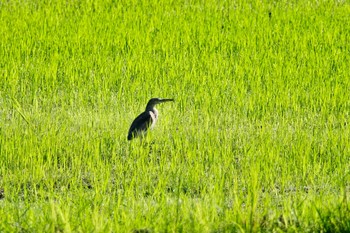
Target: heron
{"points": [[147, 119]]}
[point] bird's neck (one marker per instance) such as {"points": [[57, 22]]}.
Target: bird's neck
{"points": [[152, 109]]}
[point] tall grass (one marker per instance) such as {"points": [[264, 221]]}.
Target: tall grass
{"points": [[257, 140]]}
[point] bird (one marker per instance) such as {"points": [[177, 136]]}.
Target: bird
{"points": [[146, 120]]}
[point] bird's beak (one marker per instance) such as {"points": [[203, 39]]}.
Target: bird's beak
{"points": [[166, 100]]}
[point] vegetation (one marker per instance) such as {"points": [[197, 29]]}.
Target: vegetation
{"points": [[257, 140]]}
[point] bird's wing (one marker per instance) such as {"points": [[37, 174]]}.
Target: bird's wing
{"points": [[141, 123]]}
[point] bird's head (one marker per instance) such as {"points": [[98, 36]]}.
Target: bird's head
{"points": [[154, 101]]}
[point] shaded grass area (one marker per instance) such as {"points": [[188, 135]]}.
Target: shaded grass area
{"points": [[258, 139]]}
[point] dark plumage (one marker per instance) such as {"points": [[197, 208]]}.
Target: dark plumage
{"points": [[147, 119]]}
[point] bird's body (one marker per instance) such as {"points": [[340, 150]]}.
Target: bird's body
{"points": [[147, 119]]}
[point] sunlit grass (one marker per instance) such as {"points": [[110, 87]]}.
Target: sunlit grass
{"points": [[257, 140]]}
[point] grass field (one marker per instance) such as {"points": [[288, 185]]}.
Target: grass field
{"points": [[257, 140]]}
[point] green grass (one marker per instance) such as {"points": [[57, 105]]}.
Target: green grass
{"points": [[257, 140]]}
